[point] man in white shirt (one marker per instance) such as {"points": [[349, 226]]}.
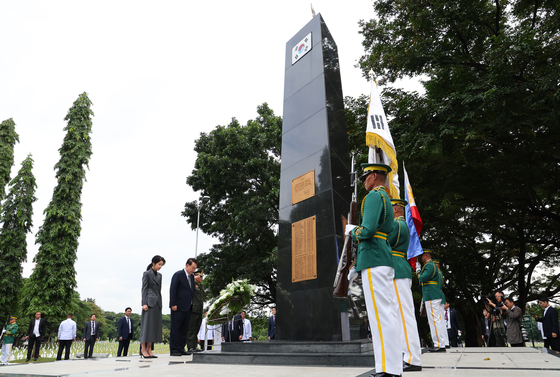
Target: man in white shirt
{"points": [[247, 330], [206, 333], [66, 335]]}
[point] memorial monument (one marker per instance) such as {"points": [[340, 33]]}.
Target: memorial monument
{"points": [[314, 190]]}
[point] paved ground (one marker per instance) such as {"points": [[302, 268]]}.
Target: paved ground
{"points": [[457, 362]]}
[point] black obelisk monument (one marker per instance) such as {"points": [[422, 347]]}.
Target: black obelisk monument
{"points": [[314, 188]]}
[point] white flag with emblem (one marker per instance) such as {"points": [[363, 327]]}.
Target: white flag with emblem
{"points": [[380, 142]]}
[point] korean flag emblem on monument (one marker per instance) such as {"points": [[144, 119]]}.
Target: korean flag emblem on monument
{"points": [[301, 48]]}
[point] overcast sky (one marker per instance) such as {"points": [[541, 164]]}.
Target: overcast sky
{"points": [[158, 74]]}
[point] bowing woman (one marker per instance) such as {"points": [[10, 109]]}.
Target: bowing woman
{"points": [[151, 329]]}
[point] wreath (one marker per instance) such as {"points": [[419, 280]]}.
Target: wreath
{"points": [[233, 298]]}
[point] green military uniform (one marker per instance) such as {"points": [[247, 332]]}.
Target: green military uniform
{"points": [[196, 316], [431, 281], [399, 238], [9, 336], [372, 235], [8, 341]]}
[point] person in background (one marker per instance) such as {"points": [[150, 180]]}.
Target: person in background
{"points": [[35, 334], [365, 331], [272, 325], [247, 329], [513, 316], [66, 336], [91, 335], [549, 324], [206, 332], [124, 332]]}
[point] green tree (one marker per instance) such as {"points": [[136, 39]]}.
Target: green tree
{"points": [[17, 213], [482, 144], [8, 138], [54, 278], [238, 170]]}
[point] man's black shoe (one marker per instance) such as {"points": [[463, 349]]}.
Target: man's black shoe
{"points": [[35, 359], [183, 352], [411, 368], [194, 350], [447, 346], [176, 354], [436, 350], [27, 360], [383, 374]]}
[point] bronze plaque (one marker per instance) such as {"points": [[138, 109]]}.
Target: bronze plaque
{"points": [[304, 250], [303, 187]]}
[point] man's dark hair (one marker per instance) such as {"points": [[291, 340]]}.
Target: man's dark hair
{"points": [[243, 311], [127, 309], [91, 315], [191, 260], [509, 299], [543, 298]]}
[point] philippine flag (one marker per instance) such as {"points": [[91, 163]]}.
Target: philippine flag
{"points": [[413, 221]]}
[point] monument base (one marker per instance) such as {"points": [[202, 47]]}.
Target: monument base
{"points": [[353, 353]]}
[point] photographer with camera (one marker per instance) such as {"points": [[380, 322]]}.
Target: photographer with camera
{"points": [[513, 315], [496, 306]]}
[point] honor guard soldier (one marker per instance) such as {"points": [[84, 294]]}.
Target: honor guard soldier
{"points": [[375, 262], [431, 295], [442, 304], [8, 340], [399, 238]]}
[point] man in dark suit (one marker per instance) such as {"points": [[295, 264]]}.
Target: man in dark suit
{"points": [[272, 325], [91, 335], [35, 334], [453, 324], [234, 330], [550, 325], [124, 332], [181, 296]]}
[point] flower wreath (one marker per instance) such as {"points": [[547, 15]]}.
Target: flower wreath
{"points": [[233, 298]]}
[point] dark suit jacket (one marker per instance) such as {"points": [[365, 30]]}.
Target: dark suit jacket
{"points": [[42, 326], [454, 321], [87, 330], [227, 331], [180, 292], [271, 327], [123, 328], [151, 289], [550, 323]]}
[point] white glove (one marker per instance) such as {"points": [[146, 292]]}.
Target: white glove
{"points": [[3, 331], [418, 266], [460, 332], [349, 229], [352, 275]]}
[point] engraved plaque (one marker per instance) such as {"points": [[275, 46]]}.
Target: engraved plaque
{"points": [[304, 250], [303, 187]]}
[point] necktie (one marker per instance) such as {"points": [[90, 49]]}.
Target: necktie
{"points": [[128, 322], [92, 328], [190, 282], [446, 318]]}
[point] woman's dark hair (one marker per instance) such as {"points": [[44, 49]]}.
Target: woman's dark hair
{"points": [[156, 260]]}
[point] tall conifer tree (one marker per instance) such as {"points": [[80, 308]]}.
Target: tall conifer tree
{"points": [[54, 278], [8, 138], [17, 213]]}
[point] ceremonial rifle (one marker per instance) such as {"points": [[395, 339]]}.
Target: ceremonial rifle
{"points": [[346, 261]]}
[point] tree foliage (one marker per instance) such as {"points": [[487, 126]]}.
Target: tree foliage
{"points": [[8, 138], [54, 278], [482, 144], [238, 170], [17, 213]]}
